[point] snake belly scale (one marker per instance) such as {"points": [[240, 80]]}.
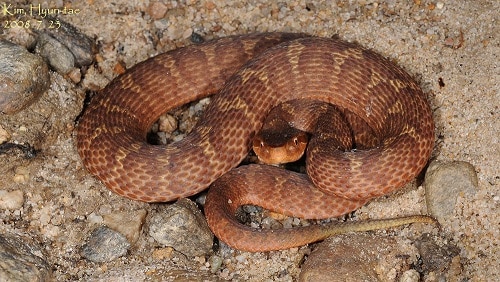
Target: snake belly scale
{"points": [[252, 74]]}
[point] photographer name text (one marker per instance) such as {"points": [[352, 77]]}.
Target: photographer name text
{"points": [[36, 10]]}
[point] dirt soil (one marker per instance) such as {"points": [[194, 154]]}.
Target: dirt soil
{"points": [[451, 47]]}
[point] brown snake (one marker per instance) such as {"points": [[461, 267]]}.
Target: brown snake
{"points": [[253, 77]]}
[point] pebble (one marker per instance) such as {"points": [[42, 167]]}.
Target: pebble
{"points": [[410, 276], [22, 259], [24, 77], [215, 263], [12, 200], [167, 123], [197, 38], [163, 253], [94, 218], [437, 256], [59, 57], [127, 223], [81, 46], [157, 10], [182, 227], [75, 75], [104, 245], [66, 49], [21, 174], [444, 183], [4, 135], [357, 257]]}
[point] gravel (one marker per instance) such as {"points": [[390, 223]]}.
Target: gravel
{"points": [[451, 47]]}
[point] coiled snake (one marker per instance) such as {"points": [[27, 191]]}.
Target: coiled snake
{"points": [[252, 74]]}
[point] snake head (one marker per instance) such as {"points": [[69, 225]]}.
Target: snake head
{"points": [[276, 148]]}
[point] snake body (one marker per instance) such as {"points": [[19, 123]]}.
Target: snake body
{"points": [[251, 75]]}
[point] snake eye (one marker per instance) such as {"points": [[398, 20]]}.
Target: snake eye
{"points": [[262, 144], [296, 141]]}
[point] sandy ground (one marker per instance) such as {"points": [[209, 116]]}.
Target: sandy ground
{"points": [[451, 47]]}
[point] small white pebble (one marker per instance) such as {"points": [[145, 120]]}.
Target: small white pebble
{"points": [[198, 107], [22, 175], [199, 259], [45, 215], [75, 75], [241, 258], [439, 5], [95, 218], [167, 123], [11, 200], [187, 33], [410, 276], [214, 262], [51, 231], [225, 273], [287, 223]]}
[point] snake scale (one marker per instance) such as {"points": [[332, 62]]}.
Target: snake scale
{"points": [[252, 74]]}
